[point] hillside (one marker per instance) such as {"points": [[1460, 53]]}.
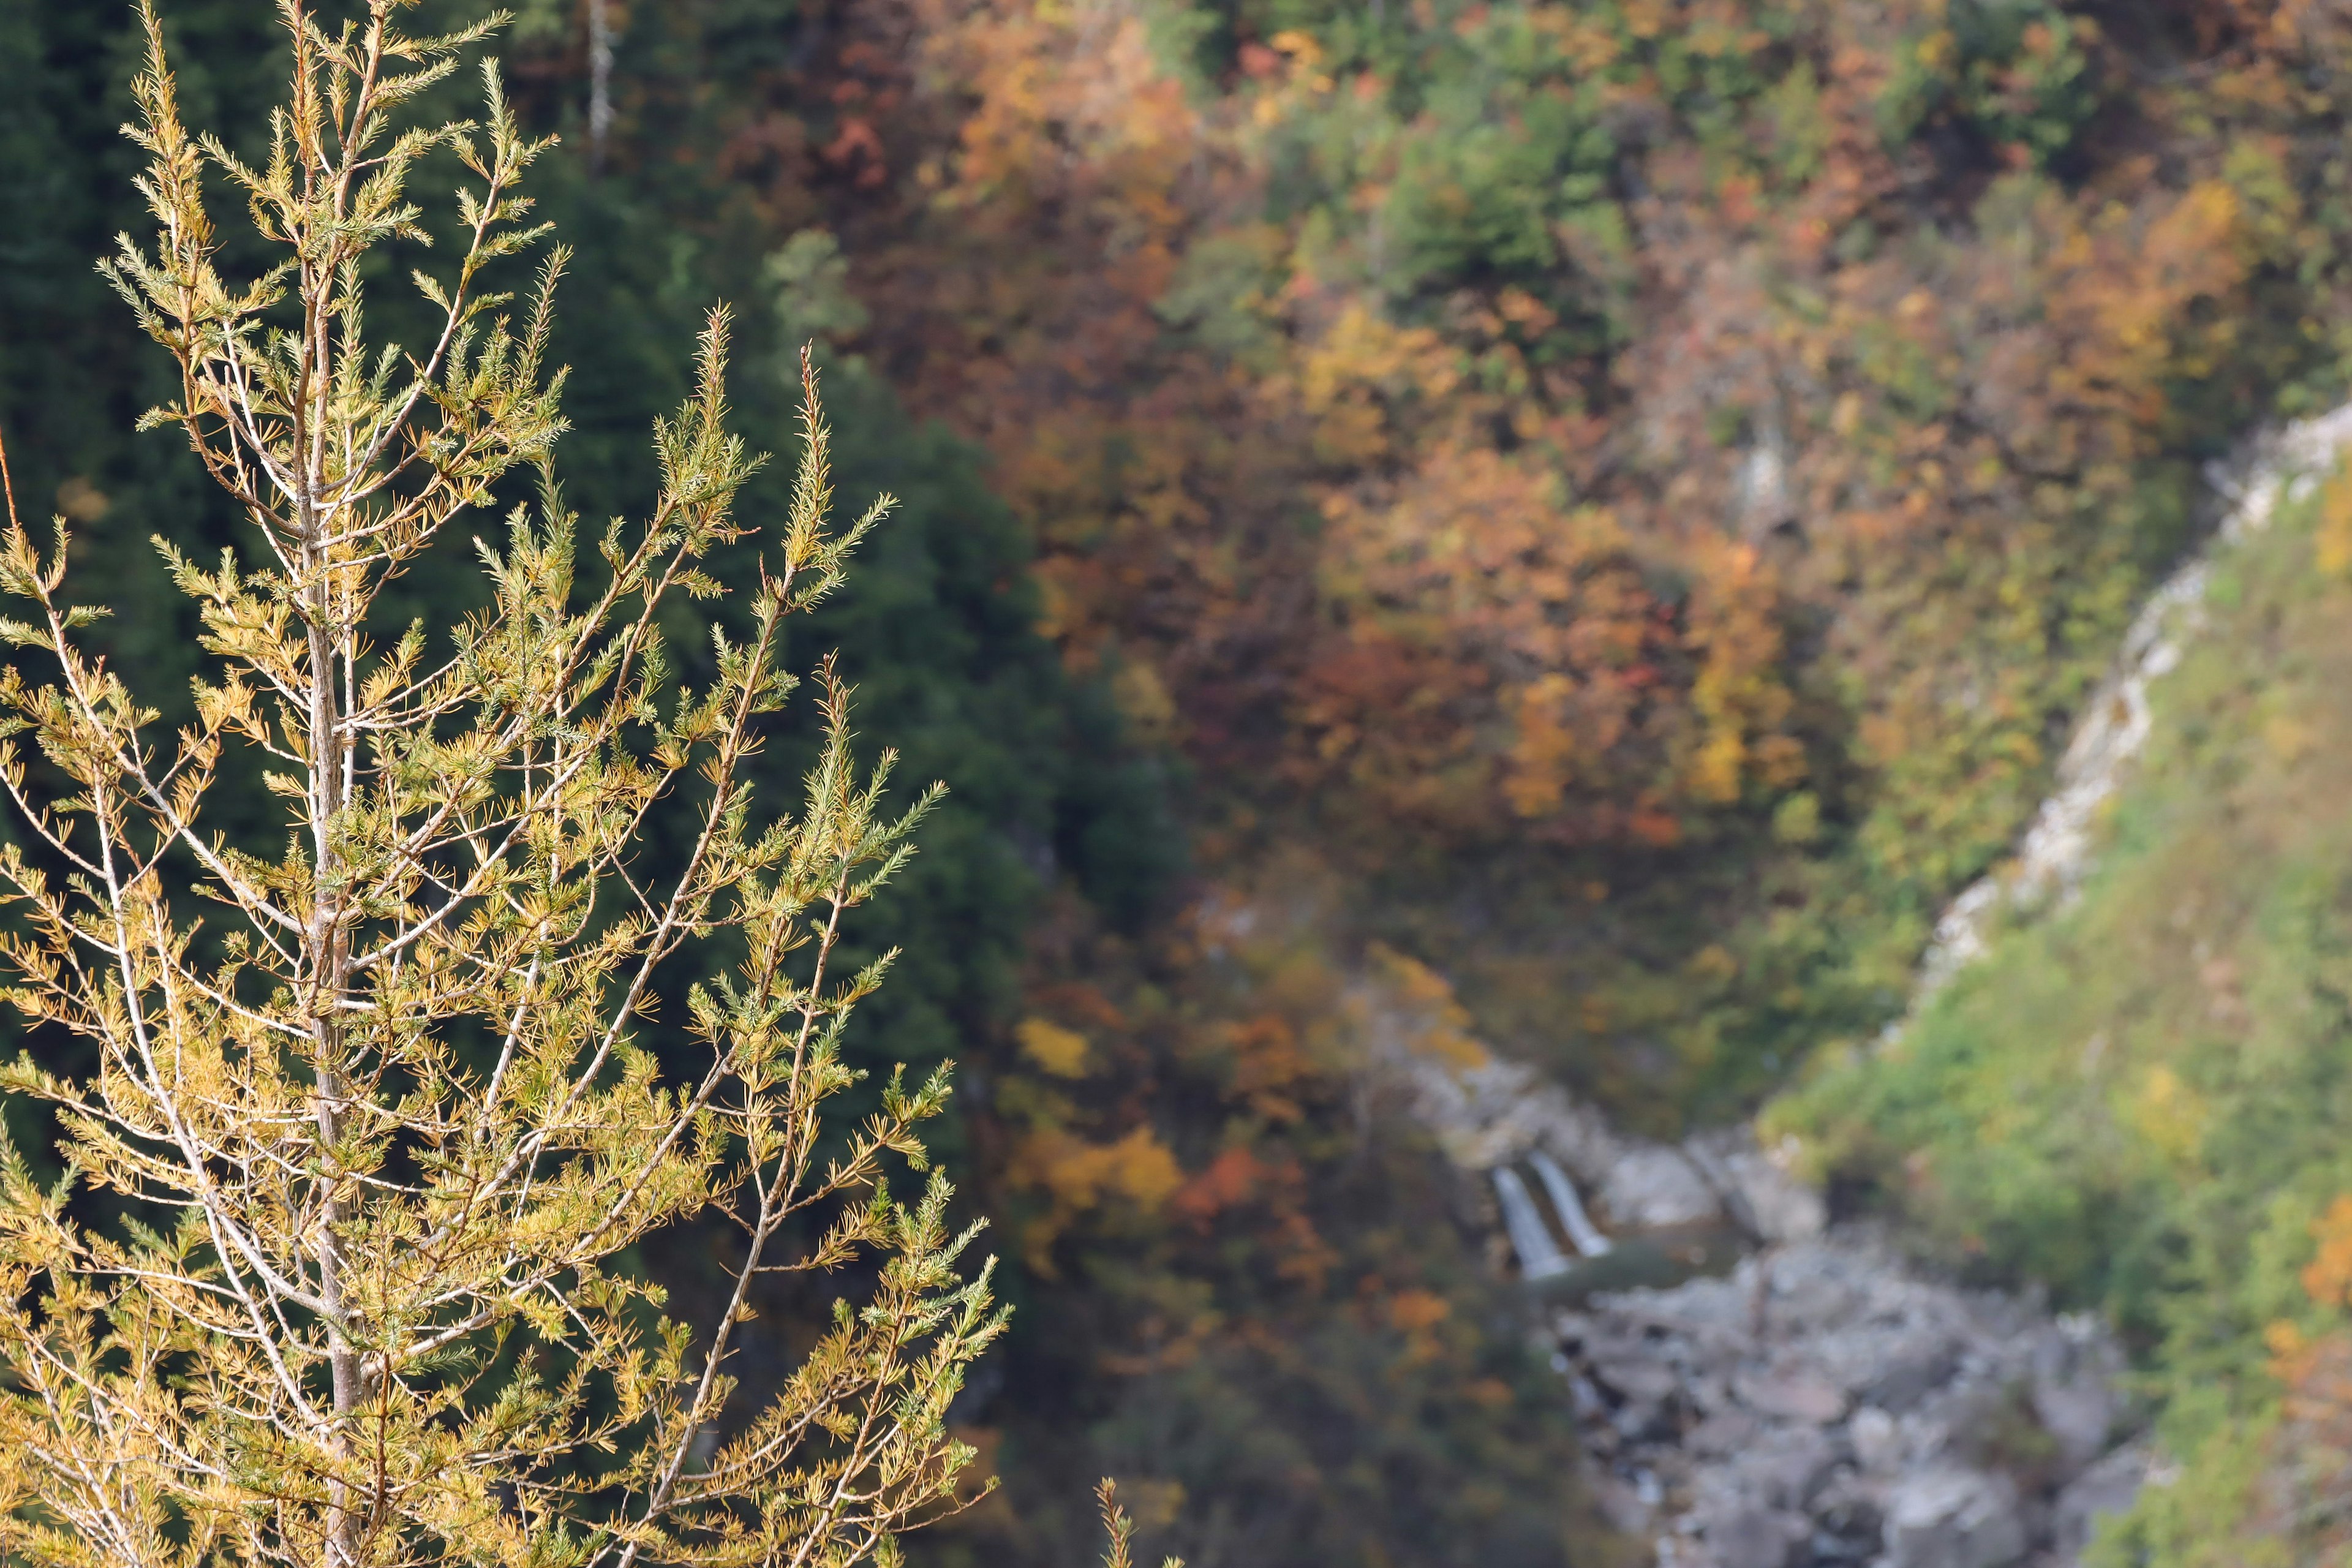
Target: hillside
{"points": [[1601, 515], [2137, 1097]]}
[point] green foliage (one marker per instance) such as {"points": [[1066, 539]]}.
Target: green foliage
{"points": [[378, 1129], [2015, 74], [936, 629], [2139, 1100], [1643, 485]]}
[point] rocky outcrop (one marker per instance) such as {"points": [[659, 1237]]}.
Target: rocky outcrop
{"points": [[1488, 1114], [2054, 853], [1823, 1404]]}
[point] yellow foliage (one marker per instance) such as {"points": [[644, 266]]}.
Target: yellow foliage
{"points": [[1442, 1025], [2290, 739], [1300, 47], [2327, 1277], [1154, 1504], [1078, 1177], [1143, 699], [1361, 365], [1137, 1168], [1416, 1310], [1268, 1062], [1416, 1313], [1738, 695], [1713, 964], [1142, 1170], [1056, 1050], [1543, 761], [2170, 1114], [2332, 543]]}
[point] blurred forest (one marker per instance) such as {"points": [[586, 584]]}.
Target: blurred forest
{"points": [[1610, 503]]}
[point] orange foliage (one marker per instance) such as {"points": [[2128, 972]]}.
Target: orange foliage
{"points": [[1547, 596], [1226, 1182], [2313, 1446], [1076, 1177], [2332, 540], [2327, 1277]]}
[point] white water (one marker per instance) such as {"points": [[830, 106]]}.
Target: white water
{"points": [[1539, 1255], [1580, 1228]]}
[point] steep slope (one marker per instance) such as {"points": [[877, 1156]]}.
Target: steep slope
{"points": [[1636, 487], [1644, 486], [2137, 1094]]}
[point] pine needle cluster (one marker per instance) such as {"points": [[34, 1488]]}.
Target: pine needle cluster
{"points": [[335, 1273]]}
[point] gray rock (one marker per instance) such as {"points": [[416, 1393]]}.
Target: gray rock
{"points": [[1814, 1286], [1793, 1396], [1620, 1504], [1825, 1406], [1759, 1192], [1724, 1433], [1954, 1518], [1849, 1521], [1878, 1440], [2077, 1366], [1639, 1380], [1750, 1535], [2107, 1488], [1786, 1467], [1893, 1365], [1651, 1186]]}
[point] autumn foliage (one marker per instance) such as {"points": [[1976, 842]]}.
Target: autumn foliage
{"points": [[1617, 500], [1621, 447], [1646, 483]]}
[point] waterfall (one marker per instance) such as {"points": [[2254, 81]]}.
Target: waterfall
{"points": [[1539, 1255], [1579, 1224]]}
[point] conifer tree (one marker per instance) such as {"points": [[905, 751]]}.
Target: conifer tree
{"points": [[334, 1273]]}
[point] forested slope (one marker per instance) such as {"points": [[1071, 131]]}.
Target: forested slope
{"points": [[2138, 1098], [1690, 456], [1617, 501]]}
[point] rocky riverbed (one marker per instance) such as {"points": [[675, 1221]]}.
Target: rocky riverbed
{"points": [[1823, 1405], [1821, 1401], [1788, 1392]]}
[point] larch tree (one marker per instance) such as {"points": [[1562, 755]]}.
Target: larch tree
{"points": [[333, 1274]]}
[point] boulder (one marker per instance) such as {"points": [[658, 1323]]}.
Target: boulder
{"points": [[1826, 1384], [1792, 1395], [1650, 1186], [1725, 1433], [1619, 1503], [2107, 1488], [1891, 1365], [1952, 1518], [1823, 1405], [1762, 1197], [1747, 1534], [1878, 1440], [1786, 1467], [2076, 1368]]}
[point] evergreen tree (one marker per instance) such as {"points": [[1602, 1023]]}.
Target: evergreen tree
{"points": [[380, 1126]]}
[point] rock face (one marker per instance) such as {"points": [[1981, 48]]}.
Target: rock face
{"points": [[2054, 854], [1823, 1404], [1490, 1113]]}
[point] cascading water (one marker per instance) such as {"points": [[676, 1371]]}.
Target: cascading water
{"points": [[1540, 1256], [1831, 1402], [1580, 1228]]}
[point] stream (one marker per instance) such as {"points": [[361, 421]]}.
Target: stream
{"points": [[1757, 1387]]}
